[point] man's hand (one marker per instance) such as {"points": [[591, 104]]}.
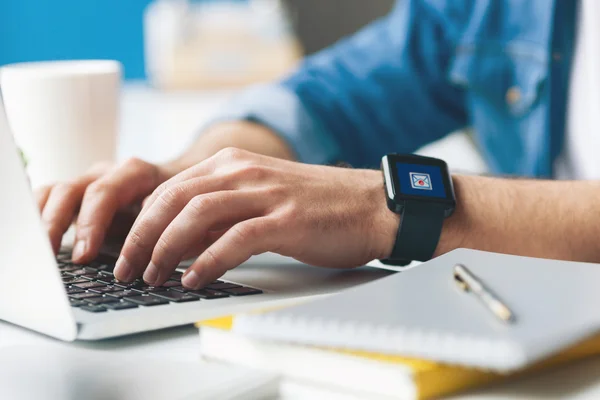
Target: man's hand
{"points": [[104, 202], [101, 202], [237, 204]]}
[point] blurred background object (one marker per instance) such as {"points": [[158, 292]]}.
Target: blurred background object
{"points": [[31, 30], [218, 43], [320, 23]]}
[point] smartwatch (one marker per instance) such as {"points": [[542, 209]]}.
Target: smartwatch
{"points": [[420, 190]]}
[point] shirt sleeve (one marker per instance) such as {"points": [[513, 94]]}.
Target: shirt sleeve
{"points": [[383, 90]]}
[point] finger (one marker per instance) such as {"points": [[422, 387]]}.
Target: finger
{"points": [[149, 226], [103, 198], [237, 245], [185, 231], [199, 248], [41, 196], [60, 207], [191, 226]]}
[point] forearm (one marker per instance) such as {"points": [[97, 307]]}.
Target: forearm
{"points": [[549, 219], [240, 134]]}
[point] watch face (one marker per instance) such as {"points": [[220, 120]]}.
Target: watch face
{"points": [[415, 177], [420, 180]]}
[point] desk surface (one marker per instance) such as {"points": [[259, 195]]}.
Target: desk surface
{"points": [[147, 115]]}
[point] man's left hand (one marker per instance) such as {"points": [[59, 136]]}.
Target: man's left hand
{"points": [[237, 204]]}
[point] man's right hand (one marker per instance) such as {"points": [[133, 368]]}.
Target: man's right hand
{"points": [[103, 202]]}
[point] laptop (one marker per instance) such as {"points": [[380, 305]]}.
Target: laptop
{"points": [[52, 295]]}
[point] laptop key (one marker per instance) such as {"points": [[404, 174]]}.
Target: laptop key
{"points": [[108, 281], [74, 290], [94, 309], [147, 288], [77, 303], [176, 297], [171, 283], [176, 276], [105, 267], [146, 300], [83, 271], [115, 282], [222, 286], [99, 275], [154, 289], [88, 285], [121, 305], [90, 277], [202, 293], [68, 268], [137, 284], [101, 300], [207, 294], [72, 281], [82, 296], [102, 264], [242, 291], [123, 293], [105, 289]]}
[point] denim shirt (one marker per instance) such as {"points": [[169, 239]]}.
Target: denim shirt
{"points": [[427, 69]]}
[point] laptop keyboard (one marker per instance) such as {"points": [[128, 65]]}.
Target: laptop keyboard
{"points": [[93, 288]]}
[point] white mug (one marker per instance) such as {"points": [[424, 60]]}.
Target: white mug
{"points": [[64, 115]]}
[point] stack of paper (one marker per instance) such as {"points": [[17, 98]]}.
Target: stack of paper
{"points": [[416, 334], [313, 372]]}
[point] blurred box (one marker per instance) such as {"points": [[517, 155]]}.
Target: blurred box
{"points": [[216, 44]]}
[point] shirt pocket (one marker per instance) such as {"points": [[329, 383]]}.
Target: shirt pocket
{"points": [[509, 78]]}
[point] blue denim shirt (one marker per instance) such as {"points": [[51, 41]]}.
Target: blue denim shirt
{"points": [[427, 69]]}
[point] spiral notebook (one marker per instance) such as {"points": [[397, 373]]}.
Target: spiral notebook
{"points": [[422, 313]]}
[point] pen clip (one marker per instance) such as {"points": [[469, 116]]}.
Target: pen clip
{"points": [[460, 282]]}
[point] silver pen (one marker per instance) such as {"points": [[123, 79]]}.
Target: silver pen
{"points": [[470, 284]]}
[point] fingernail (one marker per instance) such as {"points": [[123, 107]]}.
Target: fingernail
{"points": [[79, 249], [123, 270], [151, 274], [191, 279]]}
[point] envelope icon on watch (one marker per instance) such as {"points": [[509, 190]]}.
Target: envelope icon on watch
{"points": [[420, 181]]}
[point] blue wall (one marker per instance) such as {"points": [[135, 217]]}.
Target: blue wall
{"points": [[32, 30]]}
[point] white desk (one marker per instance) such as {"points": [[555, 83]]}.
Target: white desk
{"points": [[158, 126]]}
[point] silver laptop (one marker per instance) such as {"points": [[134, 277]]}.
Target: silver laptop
{"points": [[51, 295]]}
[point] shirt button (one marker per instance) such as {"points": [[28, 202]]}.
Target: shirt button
{"points": [[513, 95], [556, 56]]}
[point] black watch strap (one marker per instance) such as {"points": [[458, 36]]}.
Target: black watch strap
{"points": [[418, 234]]}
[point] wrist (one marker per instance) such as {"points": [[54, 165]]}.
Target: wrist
{"points": [[385, 222], [455, 227]]}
